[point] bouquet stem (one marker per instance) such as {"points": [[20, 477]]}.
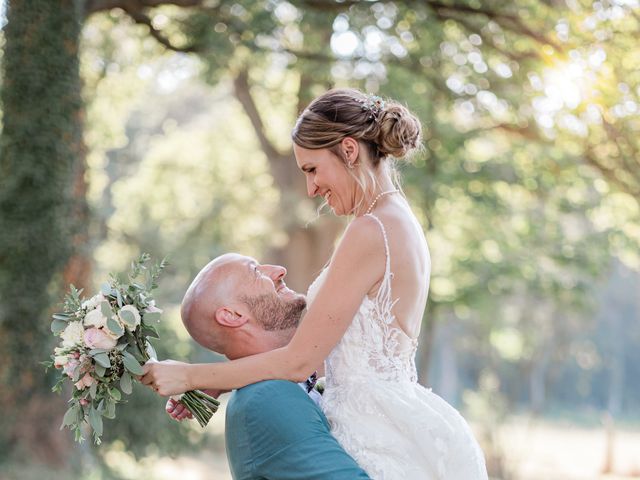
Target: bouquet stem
{"points": [[201, 405]]}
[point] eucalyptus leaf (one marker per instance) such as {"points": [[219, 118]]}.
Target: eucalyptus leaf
{"points": [[102, 359], [119, 298], [128, 318], [152, 316], [115, 394], [65, 317], [93, 389], [105, 289], [150, 331], [110, 411], [58, 326], [125, 383], [105, 308], [114, 327], [100, 370], [98, 350], [95, 420], [151, 351], [69, 417], [131, 363]]}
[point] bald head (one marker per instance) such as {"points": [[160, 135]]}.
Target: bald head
{"points": [[236, 306], [213, 287]]}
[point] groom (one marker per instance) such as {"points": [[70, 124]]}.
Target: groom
{"points": [[274, 429]]}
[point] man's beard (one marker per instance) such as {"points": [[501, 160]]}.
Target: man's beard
{"points": [[273, 313]]}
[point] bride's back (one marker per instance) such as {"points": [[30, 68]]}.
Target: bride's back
{"points": [[410, 263]]}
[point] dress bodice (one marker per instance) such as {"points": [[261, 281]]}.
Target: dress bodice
{"points": [[374, 347]]}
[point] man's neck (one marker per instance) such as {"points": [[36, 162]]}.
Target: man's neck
{"points": [[259, 342]]}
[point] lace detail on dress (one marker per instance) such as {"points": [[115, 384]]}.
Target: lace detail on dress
{"points": [[392, 426]]}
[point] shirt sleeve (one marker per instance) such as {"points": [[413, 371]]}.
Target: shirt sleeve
{"points": [[290, 437]]}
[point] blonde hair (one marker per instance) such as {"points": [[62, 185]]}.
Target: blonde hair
{"points": [[389, 131]]}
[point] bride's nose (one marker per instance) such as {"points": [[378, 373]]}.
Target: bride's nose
{"points": [[312, 188]]}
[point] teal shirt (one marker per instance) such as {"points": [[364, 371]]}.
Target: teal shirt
{"points": [[274, 431]]}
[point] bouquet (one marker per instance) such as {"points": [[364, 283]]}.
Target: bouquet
{"points": [[105, 342]]}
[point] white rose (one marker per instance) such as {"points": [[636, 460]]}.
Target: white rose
{"points": [[73, 334], [93, 302], [95, 318], [129, 316], [60, 361]]}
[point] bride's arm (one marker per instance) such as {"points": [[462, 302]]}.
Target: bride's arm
{"points": [[357, 265]]}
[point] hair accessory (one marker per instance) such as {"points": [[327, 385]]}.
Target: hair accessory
{"points": [[373, 104]]}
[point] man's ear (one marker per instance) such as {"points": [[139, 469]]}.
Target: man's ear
{"points": [[228, 317], [350, 149]]}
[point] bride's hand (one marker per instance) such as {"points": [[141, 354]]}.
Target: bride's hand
{"points": [[166, 378]]}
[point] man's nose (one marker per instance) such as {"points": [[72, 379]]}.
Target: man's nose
{"points": [[276, 272]]}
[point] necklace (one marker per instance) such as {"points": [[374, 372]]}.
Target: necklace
{"points": [[375, 200]]}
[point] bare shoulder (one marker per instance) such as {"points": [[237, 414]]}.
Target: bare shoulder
{"points": [[361, 246]]}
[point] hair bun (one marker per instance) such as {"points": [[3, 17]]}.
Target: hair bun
{"points": [[399, 131]]}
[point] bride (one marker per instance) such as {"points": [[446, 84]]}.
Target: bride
{"points": [[365, 308]]}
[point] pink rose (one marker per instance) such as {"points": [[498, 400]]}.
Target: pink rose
{"points": [[71, 366], [97, 338], [85, 382]]}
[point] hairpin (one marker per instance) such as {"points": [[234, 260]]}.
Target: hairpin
{"points": [[373, 104]]}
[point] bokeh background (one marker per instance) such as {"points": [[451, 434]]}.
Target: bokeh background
{"points": [[163, 126]]}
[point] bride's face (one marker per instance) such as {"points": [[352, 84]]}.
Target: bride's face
{"points": [[327, 176]]}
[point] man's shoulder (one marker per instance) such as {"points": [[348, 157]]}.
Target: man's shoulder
{"points": [[267, 393]]}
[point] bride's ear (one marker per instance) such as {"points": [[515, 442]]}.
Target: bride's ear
{"points": [[228, 317], [350, 150]]}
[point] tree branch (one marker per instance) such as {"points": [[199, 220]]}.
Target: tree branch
{"points": [[93, 6], [243, 94], [140, 17]]}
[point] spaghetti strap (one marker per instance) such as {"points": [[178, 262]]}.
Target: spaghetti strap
{"points": [[387, 271], [384, 302]]}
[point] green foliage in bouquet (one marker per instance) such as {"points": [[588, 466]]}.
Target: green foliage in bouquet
{"points": [[105, 340]]}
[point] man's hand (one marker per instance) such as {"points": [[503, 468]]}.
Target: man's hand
{"points": [[177, 410]]}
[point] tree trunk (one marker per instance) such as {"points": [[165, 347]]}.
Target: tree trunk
{"points": [[42, 149], [425, 345]]}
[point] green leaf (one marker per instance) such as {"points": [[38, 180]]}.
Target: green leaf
{"points": [[95, 420], [119, 298], [151, 351], [105, 308], [100, 370], [58, 326], [110, 411], [93, 389], [128, 318], [152, 317], [105, 289], [115, 394], [125, 383], [70, 417], [131, 363], [102, 359], [150, 330], [115, 327], [65, 317], [98, 350]]}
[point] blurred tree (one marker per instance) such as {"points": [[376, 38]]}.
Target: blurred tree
{"points": [[40, 171]]}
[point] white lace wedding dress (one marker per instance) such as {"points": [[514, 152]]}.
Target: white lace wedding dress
{"points": [[392, 426]]}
